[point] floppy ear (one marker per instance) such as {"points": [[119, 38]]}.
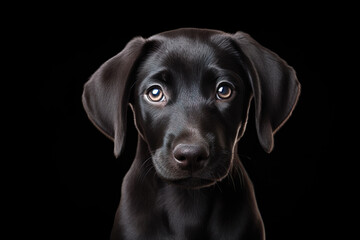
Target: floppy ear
{"points": [[106, 94], [275, 88]]}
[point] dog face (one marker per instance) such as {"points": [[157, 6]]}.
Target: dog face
{"points": [[190, 91], [190, 101]]}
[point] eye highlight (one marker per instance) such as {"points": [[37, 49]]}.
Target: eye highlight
{"points": [[224, 91], [155, 94]]}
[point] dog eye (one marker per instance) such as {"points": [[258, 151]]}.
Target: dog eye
{"points": [[224, 91], [155, 94]]}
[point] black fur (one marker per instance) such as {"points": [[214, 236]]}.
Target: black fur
{"points": [[190, 92]]}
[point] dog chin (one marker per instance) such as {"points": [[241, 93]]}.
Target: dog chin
{"points": [[193, 182]]}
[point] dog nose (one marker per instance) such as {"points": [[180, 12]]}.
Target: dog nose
{"points": [[191, 156]]}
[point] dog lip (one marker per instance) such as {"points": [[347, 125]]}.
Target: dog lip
{"points": [[193, 182], [186, 178]]}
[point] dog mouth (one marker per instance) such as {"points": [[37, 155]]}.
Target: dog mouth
{"points": [[184, 179], [214, 171], [193, 182]]}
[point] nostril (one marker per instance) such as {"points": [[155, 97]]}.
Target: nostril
{"points": [[181, 153], [180, 157], [190, 155]]}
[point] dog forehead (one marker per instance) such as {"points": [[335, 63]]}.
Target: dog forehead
{"points": [[185, 50], [188, 48], [189, 32]]}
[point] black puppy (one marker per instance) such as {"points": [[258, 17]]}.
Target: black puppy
{"points": [[190, 92]]}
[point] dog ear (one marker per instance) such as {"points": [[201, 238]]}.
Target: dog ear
{"points": [[106, 94], [275, 88]]}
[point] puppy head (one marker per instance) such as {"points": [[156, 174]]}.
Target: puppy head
{"points": [[191, 92]]}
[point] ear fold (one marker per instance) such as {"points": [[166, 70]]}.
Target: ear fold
{"points": [[275, 88], [106, 94]]}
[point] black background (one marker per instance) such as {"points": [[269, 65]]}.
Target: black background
{"points": [[71, 188]]}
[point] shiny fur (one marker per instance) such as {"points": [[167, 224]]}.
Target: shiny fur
{"points": [[187, 181]]}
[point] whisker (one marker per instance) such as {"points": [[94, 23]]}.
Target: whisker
{"points": [[143, 164], [146, 168], [238, 171], [218, 185], [232, 180]]}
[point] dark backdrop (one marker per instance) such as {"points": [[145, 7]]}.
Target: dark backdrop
{"points": [[75, 188]]}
